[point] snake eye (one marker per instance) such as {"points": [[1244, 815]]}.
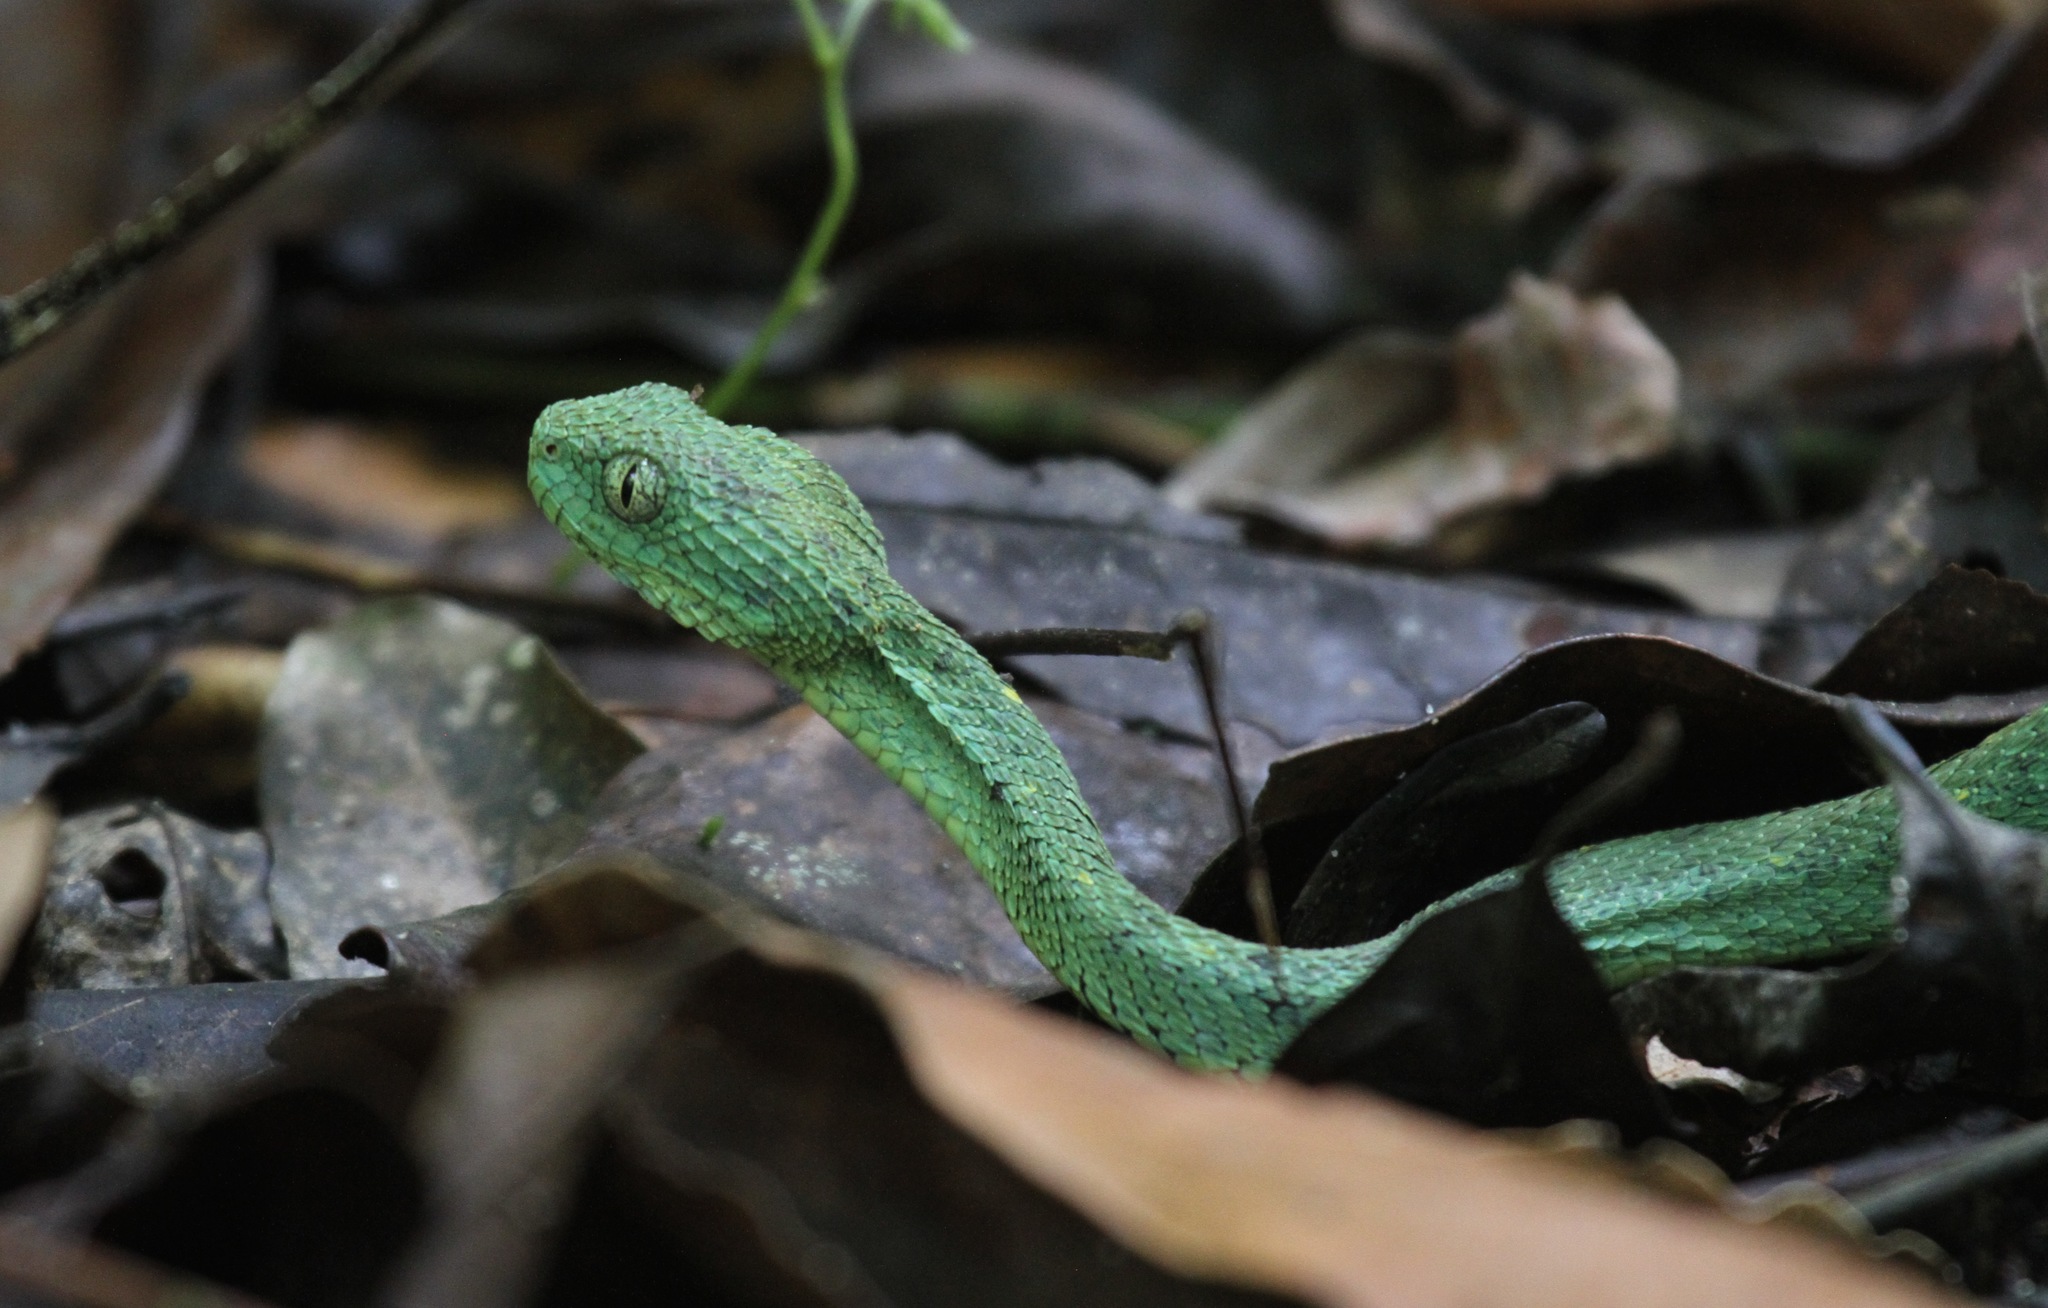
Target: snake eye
{"points": [[634, 487]]}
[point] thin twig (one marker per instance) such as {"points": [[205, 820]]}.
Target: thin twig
{"points": [[1109, 642], [1194, 630], [375, 68], [1199, 633]]}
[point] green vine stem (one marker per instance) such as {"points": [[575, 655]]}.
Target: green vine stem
{"points": [[831, 52]]}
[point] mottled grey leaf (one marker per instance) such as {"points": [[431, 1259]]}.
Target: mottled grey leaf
{"points": [[417, 758], [808, 829], [173, 1039]]}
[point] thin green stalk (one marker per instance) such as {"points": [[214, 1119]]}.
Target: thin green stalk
{"points": [[806, 283]]}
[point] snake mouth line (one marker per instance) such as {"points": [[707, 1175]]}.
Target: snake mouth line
{"points": [[551, 508]]}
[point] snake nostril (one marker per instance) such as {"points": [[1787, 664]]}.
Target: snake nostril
{"points": [[551, 449]]}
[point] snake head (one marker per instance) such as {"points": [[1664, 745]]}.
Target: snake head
{"points": [[731, 530]]}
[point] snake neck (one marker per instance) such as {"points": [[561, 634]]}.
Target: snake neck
{"points": [[940, 723]]}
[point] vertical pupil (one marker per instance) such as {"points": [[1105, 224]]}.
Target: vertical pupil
{"points": [[626, 485]]}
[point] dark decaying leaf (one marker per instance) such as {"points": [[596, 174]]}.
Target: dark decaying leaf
{"points": [[976, 165], [1730, 713], [1751, 745], [1964, 974], [1708, 86], [141, 896], [1962, 484], [789, 817], [1492, 787], [509, 1136], [1310, 646], [171, 1039], [765, 1138], [418, 758], [1098, 186], [295, 1185], [1966, 632], [304, 1195], [1490, 1012]]}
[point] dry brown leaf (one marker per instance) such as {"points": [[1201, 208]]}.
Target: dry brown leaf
{"points": [[1331, 1195], [1350, 448], [25, 834], [123, 435], [63, 122], [382, 480]]}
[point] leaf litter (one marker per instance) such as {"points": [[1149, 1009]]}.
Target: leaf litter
{"points": [[1758, 247]]}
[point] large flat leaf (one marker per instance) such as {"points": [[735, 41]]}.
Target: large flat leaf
{"points": [[418, 758]]}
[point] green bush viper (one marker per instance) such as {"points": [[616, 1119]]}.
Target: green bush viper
{"points": [[749, 539]]}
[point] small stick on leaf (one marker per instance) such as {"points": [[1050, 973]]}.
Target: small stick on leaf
{"points": [[377, 67], [1194, 630]]}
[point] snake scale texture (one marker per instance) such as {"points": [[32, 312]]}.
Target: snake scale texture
{"points": [[750, 540]]}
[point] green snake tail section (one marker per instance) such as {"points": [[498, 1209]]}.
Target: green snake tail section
{"points": [[755, 543]]}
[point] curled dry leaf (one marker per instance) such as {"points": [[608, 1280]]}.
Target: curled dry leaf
{"points": [[1336, 1197], [1383, 441], [25, 833], [57, 522]]}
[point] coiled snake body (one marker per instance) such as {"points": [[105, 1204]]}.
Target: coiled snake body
{"points": [[750, 540]]}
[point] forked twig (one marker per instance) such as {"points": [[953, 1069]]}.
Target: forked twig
{"points": [[1194, 630]]}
